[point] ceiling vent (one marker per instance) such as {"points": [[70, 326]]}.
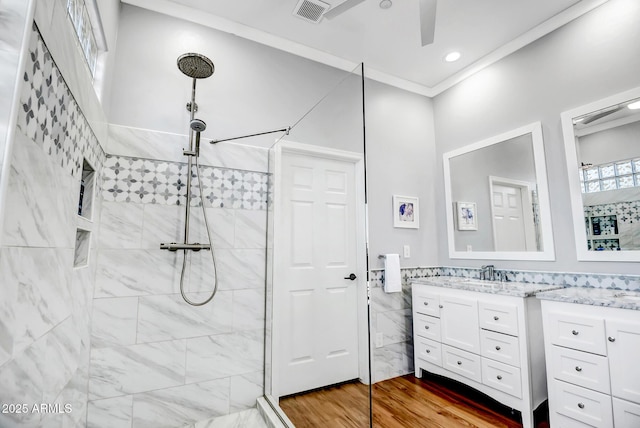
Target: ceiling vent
{"points": [[310, 10]]}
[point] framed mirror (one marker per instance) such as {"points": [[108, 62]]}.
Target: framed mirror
{"points": [[497, 199], [602, 143]]}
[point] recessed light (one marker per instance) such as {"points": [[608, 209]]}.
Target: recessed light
{"points": [[385, 4], [452, 56], [634, 106]]}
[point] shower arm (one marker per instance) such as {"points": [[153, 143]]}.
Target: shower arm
{"points": [[285, 130]]}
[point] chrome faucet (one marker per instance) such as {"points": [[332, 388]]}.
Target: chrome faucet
{"points": [[487, 272]]}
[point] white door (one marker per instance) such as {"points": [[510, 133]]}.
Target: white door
{"points": [[512, 213], [317, 252]]}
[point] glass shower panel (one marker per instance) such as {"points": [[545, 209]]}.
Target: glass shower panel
{"points": [[317, 362]]}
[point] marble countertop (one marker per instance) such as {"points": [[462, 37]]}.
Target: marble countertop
{"points": [[595, 296], [516, 289]]}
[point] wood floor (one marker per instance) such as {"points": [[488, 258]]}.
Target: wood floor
{"points": [[402, 402]]}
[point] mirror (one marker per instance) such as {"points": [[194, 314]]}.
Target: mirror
{"points": [[603, 162], [497, 198]]}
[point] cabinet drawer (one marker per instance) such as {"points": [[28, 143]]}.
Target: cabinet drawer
{"points": [[502, 377], [425, 302], [500, 347], [429, 350], [626, 414], [561, 421], [576, 332], [462, 362], [500, 318], [580, 368], [591, 407], [427, 326]]}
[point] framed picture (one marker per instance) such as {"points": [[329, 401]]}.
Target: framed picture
{"points": [[466, 215], [406, 212]]}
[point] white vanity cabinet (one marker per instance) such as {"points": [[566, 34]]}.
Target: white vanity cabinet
{"points": [[592, 365], [491, 342]]}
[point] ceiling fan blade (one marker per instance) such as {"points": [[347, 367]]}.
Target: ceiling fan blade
{"points": [[427, 20], [342, 7]]}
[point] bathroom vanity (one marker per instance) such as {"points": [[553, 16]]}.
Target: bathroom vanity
{"points": [[592, 343], [485, 334]]}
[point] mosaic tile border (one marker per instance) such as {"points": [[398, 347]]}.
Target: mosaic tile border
{"points": [[148, 181], [627, 212], [565, 279], [49, 114]]}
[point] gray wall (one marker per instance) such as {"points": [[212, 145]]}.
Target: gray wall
{"points": [[614, 144], [581, 62]]}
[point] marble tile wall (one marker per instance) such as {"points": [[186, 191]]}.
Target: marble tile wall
{"points": [[45, 310], [391, 313], [155, 360]]}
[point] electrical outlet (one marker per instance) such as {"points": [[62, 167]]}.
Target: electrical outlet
{"points": [[407, 251], [379, 340]]}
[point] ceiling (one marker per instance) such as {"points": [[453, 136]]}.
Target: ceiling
{"points": [[388, 40]]}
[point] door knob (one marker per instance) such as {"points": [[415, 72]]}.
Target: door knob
{"points": [[352, 277]]}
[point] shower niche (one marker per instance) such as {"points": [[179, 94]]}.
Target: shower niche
{"points": [[84, 219], [87, 184]]}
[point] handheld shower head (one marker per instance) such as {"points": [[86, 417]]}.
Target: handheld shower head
{"points": [[198, 125]]}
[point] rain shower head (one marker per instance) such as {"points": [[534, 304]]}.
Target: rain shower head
{"points": [[195, 65], [198, 125]]}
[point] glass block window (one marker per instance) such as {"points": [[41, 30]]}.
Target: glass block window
{"points": [[79, 17], [611, 176]]}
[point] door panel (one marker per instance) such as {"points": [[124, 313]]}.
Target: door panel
{"points": [[319, 234]]}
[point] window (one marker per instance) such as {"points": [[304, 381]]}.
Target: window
{"points": [[81, 21], [611, 176]]}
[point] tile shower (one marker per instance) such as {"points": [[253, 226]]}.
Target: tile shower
{"points": [[112, 337]]}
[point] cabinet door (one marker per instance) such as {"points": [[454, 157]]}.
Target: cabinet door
{"points": [[459, 322], [623, 344], [625, 414]]}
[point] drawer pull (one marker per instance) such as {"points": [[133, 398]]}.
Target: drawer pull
{"points": [[578, 368], [440, 306], [575, 332], [426, 327], [581, 405], [499, 377], [459, 363], [498, 348], [426, 303], [428, 351], [611, 339], [496, 318]]}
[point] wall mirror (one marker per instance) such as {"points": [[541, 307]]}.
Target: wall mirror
{"points": [[602, 143], [497, 198]]}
